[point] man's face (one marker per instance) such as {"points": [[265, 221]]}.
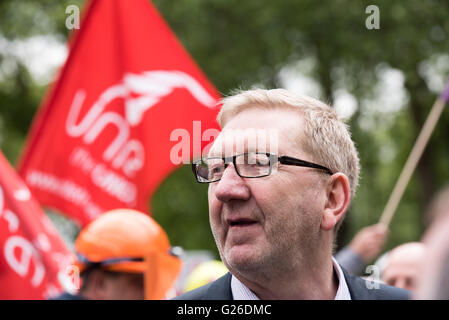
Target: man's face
{"points": [[402, 277], [124, 286], [402, 274], [269, 222], [404, 266]]}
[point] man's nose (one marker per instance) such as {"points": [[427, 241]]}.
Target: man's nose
{"points": [[231, 186]]}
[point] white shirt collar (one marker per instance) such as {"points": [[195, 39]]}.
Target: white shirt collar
{"points": [[242, 292]]}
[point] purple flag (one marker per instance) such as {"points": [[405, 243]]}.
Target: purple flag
{"points": [[445, 93]]}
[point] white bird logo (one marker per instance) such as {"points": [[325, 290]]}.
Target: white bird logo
{"points": [[140, 92], [152, 86]]}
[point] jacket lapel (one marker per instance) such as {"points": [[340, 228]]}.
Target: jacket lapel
{"points": [[357, 287], [220, 289]]}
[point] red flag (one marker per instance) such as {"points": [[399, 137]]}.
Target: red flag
{"points": [[33, 258], [128, 98]]}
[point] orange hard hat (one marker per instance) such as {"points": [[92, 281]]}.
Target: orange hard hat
{"points": [[126, 240]]}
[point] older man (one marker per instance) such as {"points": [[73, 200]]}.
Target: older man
{"points": [[404, 264], [275, 205]]}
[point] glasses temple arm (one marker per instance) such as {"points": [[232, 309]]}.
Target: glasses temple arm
{"points": [[302, 163]]}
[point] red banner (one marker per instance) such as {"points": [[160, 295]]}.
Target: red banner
{"points": [[33, 258], [126, 108]]}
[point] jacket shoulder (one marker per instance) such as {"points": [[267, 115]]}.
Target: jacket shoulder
{"points": [[361, 289], [220, 289], [67, 296]]}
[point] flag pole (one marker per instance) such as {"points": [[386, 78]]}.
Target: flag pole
{"points": [[413, 159]]}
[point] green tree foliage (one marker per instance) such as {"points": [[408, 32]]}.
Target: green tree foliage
{"points": [[20, 95], [239, 44]]}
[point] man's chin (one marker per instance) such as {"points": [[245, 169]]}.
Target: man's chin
{"points": [[243, 257]]}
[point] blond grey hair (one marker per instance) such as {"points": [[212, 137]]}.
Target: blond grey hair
{"points": [[328, 140]]}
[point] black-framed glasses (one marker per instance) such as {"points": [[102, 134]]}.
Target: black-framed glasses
{"points": [[247, 165]]}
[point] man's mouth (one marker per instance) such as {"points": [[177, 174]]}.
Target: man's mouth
{"points": [[239, 223]]}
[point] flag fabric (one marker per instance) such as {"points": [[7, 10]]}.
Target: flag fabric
{"points": [[34, 260], [445, 93], [129, 106]]}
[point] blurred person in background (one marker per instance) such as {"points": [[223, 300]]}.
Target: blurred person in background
{"points": [[205, 273], [122, 255], [403, 265], [433, 282], [364, 247]]}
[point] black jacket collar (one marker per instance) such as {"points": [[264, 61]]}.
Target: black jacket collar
{"points": [[359, 289]]}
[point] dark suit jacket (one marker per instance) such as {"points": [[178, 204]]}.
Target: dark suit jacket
{"points": [[221, 290], [68, 296]]}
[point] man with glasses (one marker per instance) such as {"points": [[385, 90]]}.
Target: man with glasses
{"points": [[275, 205]]}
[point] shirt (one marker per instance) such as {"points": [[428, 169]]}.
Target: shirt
{"points": [[242, 292]]}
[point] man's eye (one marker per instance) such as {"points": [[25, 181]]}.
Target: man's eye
{"points": [[259, 162], [215, 170]]}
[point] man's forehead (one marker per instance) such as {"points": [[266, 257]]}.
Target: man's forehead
{"points": [[234, 141], [254, 130], [264, 116]]}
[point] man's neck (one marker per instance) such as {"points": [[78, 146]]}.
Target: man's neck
{"points": [[309, 280]]}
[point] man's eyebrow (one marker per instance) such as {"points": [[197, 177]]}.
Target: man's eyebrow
{"points": [[216, 152]]}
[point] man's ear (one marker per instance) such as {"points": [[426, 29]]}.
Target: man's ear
{"points": [[337, 202]]}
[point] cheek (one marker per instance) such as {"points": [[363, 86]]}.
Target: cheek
{"points": [[275, 198], [270, 199], [214, 206], [215, 216], [303, 196], [291, 212]]}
